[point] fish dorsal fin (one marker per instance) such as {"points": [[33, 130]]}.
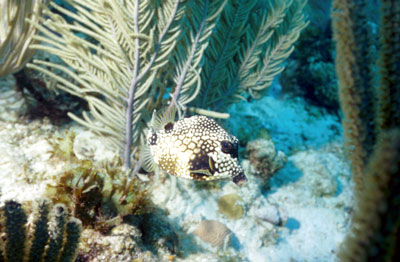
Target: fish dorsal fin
{"points": [[146, 158], [163, 120]]}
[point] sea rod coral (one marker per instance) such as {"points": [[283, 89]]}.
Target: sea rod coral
{"points": [[371, 124], [52, 236]]}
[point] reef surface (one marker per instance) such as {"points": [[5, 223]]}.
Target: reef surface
{"points": [[300, 213]]}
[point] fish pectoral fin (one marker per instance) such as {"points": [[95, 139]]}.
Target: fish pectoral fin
{"points": [[146, 158]]}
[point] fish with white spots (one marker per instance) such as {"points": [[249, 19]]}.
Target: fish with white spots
{"points": [[195, 147]]}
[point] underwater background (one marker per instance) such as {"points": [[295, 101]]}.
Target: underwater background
{"points": [[309, 88]]}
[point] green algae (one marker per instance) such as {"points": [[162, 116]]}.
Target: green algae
{"points": [[229, 207]]}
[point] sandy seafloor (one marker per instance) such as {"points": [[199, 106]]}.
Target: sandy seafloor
{"points": [[313, 190]]}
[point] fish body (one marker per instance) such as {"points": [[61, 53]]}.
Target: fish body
{"points": [[195, 148]]}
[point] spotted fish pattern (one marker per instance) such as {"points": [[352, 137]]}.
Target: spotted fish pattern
{"points": [[196, 148]]}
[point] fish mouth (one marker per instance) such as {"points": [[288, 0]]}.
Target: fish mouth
{"points": [[240, 179]]}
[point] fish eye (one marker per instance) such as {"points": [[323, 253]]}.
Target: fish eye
{"points": [[226, 146], [230, 148]]}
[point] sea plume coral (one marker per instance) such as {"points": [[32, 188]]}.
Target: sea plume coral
{"points": [[16, 34], [127, 58]]}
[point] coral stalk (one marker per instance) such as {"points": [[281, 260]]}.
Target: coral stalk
{"points": [[388, 110], [353, 61], [375, 233], [132, 90]]}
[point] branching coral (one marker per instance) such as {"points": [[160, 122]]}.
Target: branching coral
{"points": [[127, 56], [252, 40], [16, 34]]}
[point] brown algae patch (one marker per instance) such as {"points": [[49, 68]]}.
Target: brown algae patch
{"points": [[228, 206]]}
